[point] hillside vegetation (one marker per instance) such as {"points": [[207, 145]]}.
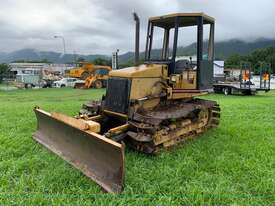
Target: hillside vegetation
{"points": [[255, 58], [223, 50]]}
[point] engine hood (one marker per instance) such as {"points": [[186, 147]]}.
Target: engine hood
{"points": [[144, 70]]}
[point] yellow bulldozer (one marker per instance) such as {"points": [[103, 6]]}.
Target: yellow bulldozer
{"points": [[148, 107], [85, 69]]}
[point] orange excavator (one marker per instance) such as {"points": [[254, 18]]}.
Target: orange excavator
{"points": [[97, 78]]}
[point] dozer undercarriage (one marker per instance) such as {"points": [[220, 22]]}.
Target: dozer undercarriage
{"points": [[162, 127], [171, 124], [149, 107]]}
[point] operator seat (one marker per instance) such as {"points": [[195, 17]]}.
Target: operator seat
{"points": [[182, 65]]}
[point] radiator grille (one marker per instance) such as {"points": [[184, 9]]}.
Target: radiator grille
{"points": [[117, 95]]}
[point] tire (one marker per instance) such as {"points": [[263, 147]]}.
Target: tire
{"points": [[226, 91], [248, 93], [216, 90], [104, 83], [84, 75], [28, 86], [98, 84], [62, 85]]}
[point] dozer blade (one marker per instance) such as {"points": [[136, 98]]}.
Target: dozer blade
{"points": [[98, 157]]}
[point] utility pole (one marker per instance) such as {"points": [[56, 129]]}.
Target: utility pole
{"points": [[64, 47]]}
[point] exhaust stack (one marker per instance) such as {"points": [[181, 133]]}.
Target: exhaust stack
{"points": [[136, 18]]}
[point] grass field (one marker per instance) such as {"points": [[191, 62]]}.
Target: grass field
{"points": [[231, 165]]}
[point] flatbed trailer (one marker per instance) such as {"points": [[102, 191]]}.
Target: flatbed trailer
{"points": [[234, 88], [244, 85]]}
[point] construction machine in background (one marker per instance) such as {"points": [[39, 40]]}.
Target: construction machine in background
{"points": [[84, 70], [243, 84], [148, 107], [96, 79]]}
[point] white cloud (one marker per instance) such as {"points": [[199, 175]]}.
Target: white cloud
{"points": [[101, 26]]}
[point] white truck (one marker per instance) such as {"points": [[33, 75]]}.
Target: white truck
{"points": [[65, 82], [30, 78]]}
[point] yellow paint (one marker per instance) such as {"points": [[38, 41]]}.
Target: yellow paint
{"points": [[119, 129], [115, 114], [164, 17], [143, 87], [184, 95], [151, 103], [145, 71], [186, 80], [86, 67]]}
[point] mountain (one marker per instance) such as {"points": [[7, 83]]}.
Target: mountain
{"points": [[223, 49], [35, 55], [227, 48]]}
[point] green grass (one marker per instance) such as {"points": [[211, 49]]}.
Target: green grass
{"points": [[231, 165], [7, 87]]}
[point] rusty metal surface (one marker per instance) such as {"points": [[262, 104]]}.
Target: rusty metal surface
{"points": [[174, 110], [141, 137], [97, 157], [79, 85], [204, 102], [90, 108], [189, 119]]}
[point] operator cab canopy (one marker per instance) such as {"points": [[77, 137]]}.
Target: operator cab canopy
{"points": [[167, 54], [168, 21], [170, 25]]}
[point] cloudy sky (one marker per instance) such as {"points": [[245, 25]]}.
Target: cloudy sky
{"points": [[101, 26]]}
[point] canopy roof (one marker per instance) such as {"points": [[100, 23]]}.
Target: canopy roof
{"points": [[186, 19]]}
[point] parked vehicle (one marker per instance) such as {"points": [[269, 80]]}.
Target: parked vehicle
{"points": [[65, 82], [85, 69], [47, 83], [96, 79], [29, 78]]}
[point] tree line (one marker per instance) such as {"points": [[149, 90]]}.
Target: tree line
{"points": [[4, 71], [255, 58], [260, 55]]}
